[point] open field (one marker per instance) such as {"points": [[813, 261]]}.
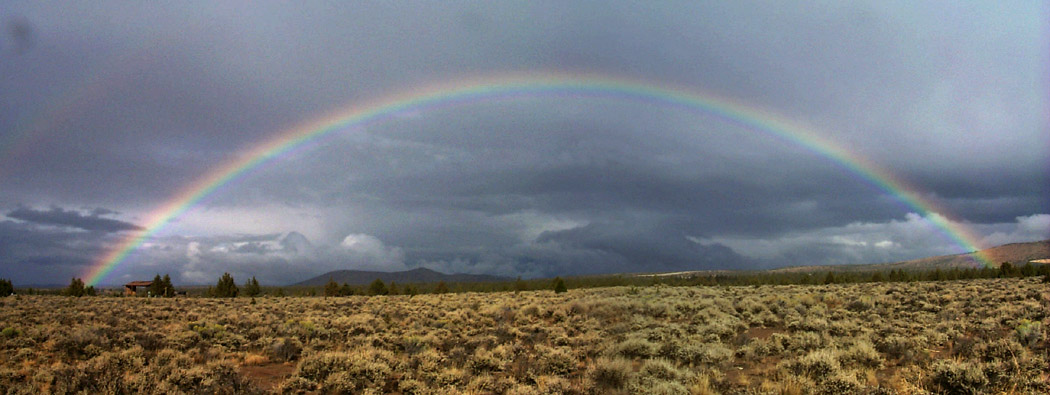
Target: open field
{"points": [[974, 336]]}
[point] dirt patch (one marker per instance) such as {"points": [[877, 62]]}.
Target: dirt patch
{"points": [[762, 333], [266, 377], [743, 373]]}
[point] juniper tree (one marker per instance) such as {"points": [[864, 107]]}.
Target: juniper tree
{"points": [[377, 288], [226, 288], [331, 288], [75, 288], [559, 285], [5, 287], [251, 287], [169, 290], [156, 288]]}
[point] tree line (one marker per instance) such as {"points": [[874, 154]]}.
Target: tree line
{"points": [[226, 287]]}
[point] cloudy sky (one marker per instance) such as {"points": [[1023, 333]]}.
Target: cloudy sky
{"points": [[109, 110]]}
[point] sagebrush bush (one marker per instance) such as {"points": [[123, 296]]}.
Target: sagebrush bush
{"points": [[861, 355], [611, 373], [954, 377], [817, 365]]}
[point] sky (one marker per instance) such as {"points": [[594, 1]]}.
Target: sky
{"points": [[109, 111]]}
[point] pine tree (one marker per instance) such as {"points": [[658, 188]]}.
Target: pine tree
{"points": [[1007, 269], [829, 279], [441, 288], [559, 285], [156, 288], [169, 290], [251, 287], [76, 287], [6, 288], [877, 277], [520, 285], [346, 290], [331, 288], [226, 288], [377, 288]]}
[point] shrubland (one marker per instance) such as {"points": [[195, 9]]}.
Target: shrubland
{"points": [[967, 336]]}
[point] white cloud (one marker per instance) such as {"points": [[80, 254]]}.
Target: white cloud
{"points": [[913, 237], [1027, 228], [366, 252]]}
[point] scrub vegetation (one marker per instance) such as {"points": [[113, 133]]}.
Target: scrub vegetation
{"points": [[966, 336]]}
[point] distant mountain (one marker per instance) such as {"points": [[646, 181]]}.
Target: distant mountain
{"points": [[1015, 253], [414, 276]]}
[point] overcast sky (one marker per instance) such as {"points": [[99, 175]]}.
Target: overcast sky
{"points": [[109, 109]]}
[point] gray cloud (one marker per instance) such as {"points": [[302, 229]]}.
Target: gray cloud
{"points": [[75, 219]]}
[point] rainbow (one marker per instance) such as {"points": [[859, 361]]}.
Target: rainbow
{"points": [[531, 86]]}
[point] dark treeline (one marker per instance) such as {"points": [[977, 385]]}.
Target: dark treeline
{"points": [[226, 286]]}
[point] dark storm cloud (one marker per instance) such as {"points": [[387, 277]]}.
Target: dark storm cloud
{"points": [[124, 107], [71, 218], [20, 33], [30, 254]]}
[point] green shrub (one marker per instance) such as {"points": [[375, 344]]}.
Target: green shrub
{"points": [[1029, 333], [10, 333], [949, 376]]}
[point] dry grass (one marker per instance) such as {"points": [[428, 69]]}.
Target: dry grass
{"points": [[978, 336]]}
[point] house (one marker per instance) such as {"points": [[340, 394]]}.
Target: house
{"points": [[130, 288]]}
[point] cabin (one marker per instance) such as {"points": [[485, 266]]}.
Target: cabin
{"points": [[130, 288]]}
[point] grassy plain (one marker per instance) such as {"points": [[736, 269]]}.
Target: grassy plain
{"points": [[972, 336]]}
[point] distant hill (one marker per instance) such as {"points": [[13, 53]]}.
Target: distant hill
{"points": [[414, 276], [1015, 253]]}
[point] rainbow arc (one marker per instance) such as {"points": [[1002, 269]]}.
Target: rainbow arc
{"points": [[511, 87]]}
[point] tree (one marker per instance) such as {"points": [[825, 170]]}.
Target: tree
{"points": [[169, 290], [877, 277], [156, 288], [90, 291], [1007, 269], [226, 288], [346, 290], [441, 288], [251, 287], [377, 287], [331, 288], [75, 288], [393, 289], [830, 278], [559, 285], [520, 285], [5, 287]]}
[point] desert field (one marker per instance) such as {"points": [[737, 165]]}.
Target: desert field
{"points": [[973, 336]]}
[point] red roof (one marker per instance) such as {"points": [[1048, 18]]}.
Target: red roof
{"points": [[139, 284]]}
